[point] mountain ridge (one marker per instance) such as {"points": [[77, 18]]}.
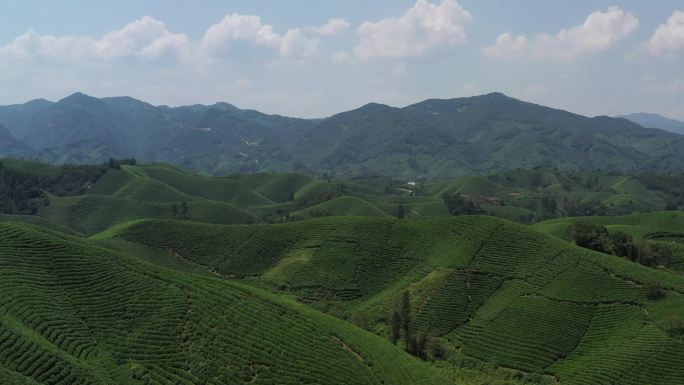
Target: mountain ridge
{"points": [[652, 120], [432, 138]]}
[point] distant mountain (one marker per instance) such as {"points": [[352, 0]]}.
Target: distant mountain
{"points": [[10, 147], [482, 134], [656, 121], [434, 138]]}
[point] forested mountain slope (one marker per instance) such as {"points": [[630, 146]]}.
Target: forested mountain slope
{"points": [[434, 138]]}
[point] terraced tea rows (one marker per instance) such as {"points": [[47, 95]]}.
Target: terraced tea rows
{"points": [[495, 290], [73, 313]]}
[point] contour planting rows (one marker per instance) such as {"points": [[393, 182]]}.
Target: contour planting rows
{"points": [[498, 291], [73, 313]]}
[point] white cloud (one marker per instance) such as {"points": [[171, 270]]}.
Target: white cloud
{"points": [[422, 29], [236, 28], [600, 31], [508, 46], [332, 27], [294, 43], [669, 37], [147, 38]]}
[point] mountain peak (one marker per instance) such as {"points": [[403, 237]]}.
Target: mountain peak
{"points": [[223, 106], [77, 97], [374, 106], [496, 94]]}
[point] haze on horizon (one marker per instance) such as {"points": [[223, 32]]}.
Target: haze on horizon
{"points": [[307, 59]]}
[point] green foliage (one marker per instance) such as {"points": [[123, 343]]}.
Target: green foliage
{"points": [[596, 237], [459, 205], [590, 236], [23, 192], [654, 291], [673, 325]]}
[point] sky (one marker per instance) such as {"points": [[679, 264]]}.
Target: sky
{"points": [[312, 58]]}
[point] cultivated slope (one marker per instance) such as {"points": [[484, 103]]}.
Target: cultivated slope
{"points": [[491, 289], [75, 313]]}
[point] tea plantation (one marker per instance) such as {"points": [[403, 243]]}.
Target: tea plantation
{"points": [[482, 287], [77, 313], [147, 274]]}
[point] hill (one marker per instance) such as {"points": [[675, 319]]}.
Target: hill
{"points": [[77, 313], [656, 121], [474, 287], [663, 227], [90, 198], [436, 138]]}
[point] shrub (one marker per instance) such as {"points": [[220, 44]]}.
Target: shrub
{"points": [[459, 205], [654, 292], [673, 325]]}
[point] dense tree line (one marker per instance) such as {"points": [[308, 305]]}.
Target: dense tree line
{"points": [[117, 163], [671, 185], [457, 204], [598, 238], [422, 343], [23, 192]]}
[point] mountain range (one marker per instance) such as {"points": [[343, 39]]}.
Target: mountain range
{"points": [[656, 121], [433, 138]]}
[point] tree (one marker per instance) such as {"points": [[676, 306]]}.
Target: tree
{"points": [[291, 197], [174, 209], [458, 205], [184, 210], [673, 325], [401, 213], [549, 206], [395, 327], [405, 313], [653, 254], [671, 205], [422, 346], [590, 236], [623, 245], [654, 292]]}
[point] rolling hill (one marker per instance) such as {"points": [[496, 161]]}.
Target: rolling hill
{"points": [[435, 138], [90, 198], [479, 287], [77, 313], [663, 227], [154, 275]]}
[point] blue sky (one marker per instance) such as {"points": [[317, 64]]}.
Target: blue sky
{"points": [[315, 58]]}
